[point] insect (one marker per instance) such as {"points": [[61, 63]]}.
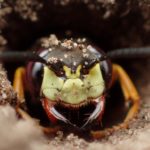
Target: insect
{"points": [[72, 76]]}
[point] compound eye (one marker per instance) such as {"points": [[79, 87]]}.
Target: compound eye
{"points": [[34, 75], [106, 69], [37, 72]]}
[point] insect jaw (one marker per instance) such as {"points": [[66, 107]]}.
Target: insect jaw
{"points": [[100, 103], [52, 112]]}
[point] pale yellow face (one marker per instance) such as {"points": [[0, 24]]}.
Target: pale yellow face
{"points": [[73, 90]]}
